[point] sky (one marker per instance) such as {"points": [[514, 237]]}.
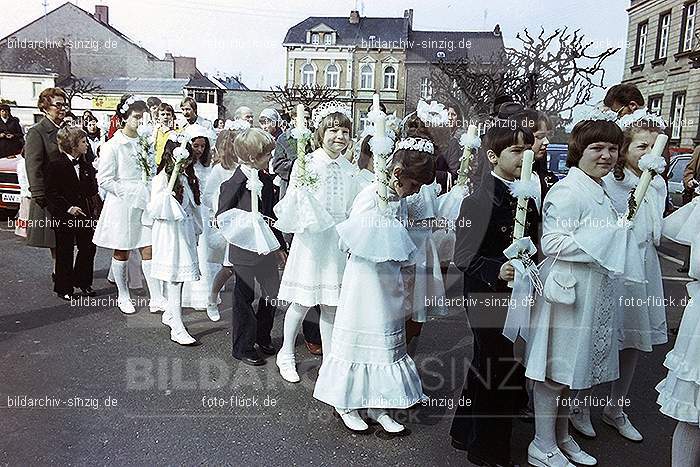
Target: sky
{"points": [[234, 36]]}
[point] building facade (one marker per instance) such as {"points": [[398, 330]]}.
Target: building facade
{"points": [[663, 60]]}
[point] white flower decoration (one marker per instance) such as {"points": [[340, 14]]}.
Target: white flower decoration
{"points": [[125, 106], [651, 162], [300, 133], [145, 130], [433, 114], [237, 125], [416, 144], [466, 142], [180, 153], [327, 108], [629, 120]]}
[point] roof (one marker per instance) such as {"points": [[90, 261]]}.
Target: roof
{"points": [[198, 80], [383, 29], [92, 17], [34, 61], [230, 83], [425, 45], [140, 85]]}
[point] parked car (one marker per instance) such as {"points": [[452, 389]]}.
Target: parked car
{"points": [[556, 159], [9, 186], [675, 178]]}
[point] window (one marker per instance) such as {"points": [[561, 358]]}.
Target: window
{"points": [[641, 43], [366, 77], [202, 96], [308, 74], [688, 27], [662, 36], [426, 88], [315, 38], [677, 108], [655, 104], [676, 174], [36, 89], [364, 120], [328, 38], [390, 77], [332, 76]]}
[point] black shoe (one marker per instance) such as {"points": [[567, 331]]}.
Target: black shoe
{"points": [[253, 360], [477, 460], [459, 445], [67, 296], [267, 349], [53, 277], [87, 292]]}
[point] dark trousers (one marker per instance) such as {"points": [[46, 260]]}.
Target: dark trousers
{"points": [[249, 327], [495, 386], [74, 271], [310, 326]]}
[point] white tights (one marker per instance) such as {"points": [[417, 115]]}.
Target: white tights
{"points": [[292, 321], [685, 449], [551, 415]]}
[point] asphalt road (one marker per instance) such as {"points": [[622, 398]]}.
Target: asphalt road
{"points": [[121, 393]]}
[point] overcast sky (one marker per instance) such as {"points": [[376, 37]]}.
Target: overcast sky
{"points": [[231, 36]]}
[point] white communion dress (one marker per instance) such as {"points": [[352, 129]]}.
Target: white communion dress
{"points": [[176, 228], [679, 392], [367, 366], [120, 224]]}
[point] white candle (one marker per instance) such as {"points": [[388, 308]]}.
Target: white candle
{"points": [[375, 102], [380, 161], [521, 212], [301, 121], [472, 132], [645, 180]]}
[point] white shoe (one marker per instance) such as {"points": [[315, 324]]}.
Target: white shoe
{"points": [[352, 420], [166, 319], [125, 306], [182, 337], [553, 458], [156, 305], [287, 367], [581, 421], [213, 312], [623, 426], [573, 451], [382, 417]]}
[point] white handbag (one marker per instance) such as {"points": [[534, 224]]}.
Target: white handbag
{"points": [[559, 287]]}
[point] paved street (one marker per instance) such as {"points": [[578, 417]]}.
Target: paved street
{"points": [[123, 393]]}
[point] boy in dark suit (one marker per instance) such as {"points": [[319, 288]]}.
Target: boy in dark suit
{"points": [[253, 149], [495, 383], [72, 201]]}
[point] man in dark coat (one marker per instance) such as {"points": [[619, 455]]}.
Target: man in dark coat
{"points": [[11, 135], [41, 149]]}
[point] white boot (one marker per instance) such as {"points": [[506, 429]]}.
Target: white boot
{"points": [[287, 366], [178, 333], [120, 279], [382, 417], [155, 288], [352, 420], [213, 312]]}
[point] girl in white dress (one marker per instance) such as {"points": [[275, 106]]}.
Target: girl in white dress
{"points": [[315, 265], [678, 392], [587, 246], [176, 226], [123, 173], [196, 294], [367, 365], [641, 310], [225, 163]]}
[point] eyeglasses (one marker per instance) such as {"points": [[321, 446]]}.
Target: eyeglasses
{"points": [[61, 105]]}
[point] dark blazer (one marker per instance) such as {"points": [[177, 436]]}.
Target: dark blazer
{"points": [[484, 230], [283, 158], [40, 149], [235, 194], [65, 189], [11, 146]]}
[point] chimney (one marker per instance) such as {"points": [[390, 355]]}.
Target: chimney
{"points": [[169, 57], [354, 17], [497, 30], [185, 67], [408, 14], [102, 13]]}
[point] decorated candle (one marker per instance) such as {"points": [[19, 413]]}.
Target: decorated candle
{"points": [[521, 211], [380, 162], [472, 133], [375, 102], [644, 181], [301, 121]]}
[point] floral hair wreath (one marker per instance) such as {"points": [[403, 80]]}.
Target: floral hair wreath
{"points": [[237, 125], [416, 144], [128, 103], [327, 108]]}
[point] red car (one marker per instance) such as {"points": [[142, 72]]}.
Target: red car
{"points": [[9, 186]]}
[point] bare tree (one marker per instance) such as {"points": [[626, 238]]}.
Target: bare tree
{"points": [[288, 97], [80, 87], [553, 73]]}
